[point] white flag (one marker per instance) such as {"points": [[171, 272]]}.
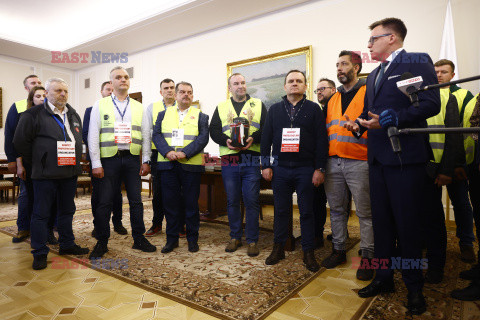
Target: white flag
{"points": [[448, 49]]}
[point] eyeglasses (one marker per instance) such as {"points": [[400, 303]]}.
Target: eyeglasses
{"points": [[321, 89], [373, 38]]}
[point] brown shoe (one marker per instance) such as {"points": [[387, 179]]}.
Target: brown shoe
{"points": [[21, 235], [233, 245], [467, 254], [252, 250]]}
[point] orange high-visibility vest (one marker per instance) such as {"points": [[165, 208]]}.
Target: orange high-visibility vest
{"points": [[341, 141]]}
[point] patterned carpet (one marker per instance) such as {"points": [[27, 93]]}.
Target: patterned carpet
{"points": [[226, 285], [8, 211], [439, 303]]}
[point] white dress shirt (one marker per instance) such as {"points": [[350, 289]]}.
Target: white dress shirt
{"points": [[95, 126]]}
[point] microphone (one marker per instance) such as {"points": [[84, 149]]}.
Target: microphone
{"points": [[410, 86], [392, 133]]}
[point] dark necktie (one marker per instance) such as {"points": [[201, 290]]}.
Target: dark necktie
{"points": [[383, 65]]}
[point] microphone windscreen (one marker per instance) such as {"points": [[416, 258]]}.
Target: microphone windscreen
{"points": [[406, 75]]}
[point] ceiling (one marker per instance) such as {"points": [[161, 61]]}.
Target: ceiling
{"points": [[127, 26]]}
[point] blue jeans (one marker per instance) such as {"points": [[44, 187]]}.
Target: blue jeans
{"points": [[462, 209], [175, 183], [47, 192], [285, 181], [124, 168], [238, 180]]}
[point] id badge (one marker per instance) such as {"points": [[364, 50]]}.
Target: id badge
{"points": [[66, 153], [123, 132], [177, 137], [290, 140]]}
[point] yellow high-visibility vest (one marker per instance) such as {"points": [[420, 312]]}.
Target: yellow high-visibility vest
{"points": [[189, 125], [437, 140], [158, 107], [21, 105], [108, 147], [468, 141], [252, 111]]}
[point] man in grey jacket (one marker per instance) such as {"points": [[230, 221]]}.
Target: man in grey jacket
{"points": [[49, 138]]}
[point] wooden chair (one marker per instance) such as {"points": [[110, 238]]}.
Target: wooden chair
{"points": [[7, 184], [84, 180], [148, 179]]}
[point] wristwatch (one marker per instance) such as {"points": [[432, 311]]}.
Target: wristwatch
{"points": [[322, 170], [148, 162]]}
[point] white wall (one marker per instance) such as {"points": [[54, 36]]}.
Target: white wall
{"points": [[329, 26], [12, 73]]}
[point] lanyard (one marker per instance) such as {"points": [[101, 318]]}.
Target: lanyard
{"points": [[292, 118], [125, 110], [62, 125]]}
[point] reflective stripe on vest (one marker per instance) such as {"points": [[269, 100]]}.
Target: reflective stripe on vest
{"points": [[21, 105], [437, 140], [252, 111], [108, 147], [190, 130], [468, 141], [341, 141], [460, 94]]}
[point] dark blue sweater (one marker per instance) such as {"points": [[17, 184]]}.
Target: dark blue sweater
{"points": [[313, 135]]}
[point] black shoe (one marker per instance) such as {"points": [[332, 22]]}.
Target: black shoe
{"points": [[310, 262], [98, 251], [51, 238], [120, 229], [278, 253], [193, 246], [319, 242], [416, 303], [365, 272], [39, 262], [470, 293], [93, 233], [21, 235], [73, 250], [467, 254], [471, 274], [169, 246], [337, 257], [376, 287], [144, 245], [433, 276]]}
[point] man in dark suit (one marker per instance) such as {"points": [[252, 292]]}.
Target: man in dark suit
{"points": [[396, 180]]}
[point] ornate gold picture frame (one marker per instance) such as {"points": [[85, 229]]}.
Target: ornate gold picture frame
{"points": [[265, 75]]}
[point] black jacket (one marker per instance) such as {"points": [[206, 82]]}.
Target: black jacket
{"points": [[36, 141], [309, 118]]}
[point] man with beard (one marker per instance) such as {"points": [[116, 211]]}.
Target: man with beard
{"points": [[325, 90], [347, 167], [240, 171]]}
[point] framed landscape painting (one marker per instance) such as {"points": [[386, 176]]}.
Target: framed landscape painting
{"points": [[265, 75]]}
